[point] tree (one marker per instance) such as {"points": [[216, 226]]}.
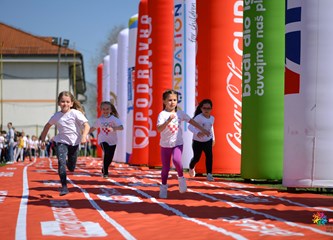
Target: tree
{"points": [[104, 50]]}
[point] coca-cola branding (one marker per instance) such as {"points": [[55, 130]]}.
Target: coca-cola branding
{"points": [[234, 80]]}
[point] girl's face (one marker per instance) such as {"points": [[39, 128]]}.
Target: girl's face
{"points": [[170, 102], [65, 103], [206, 109], [106, 110]]}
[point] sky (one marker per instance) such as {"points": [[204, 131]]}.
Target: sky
{"points": [[86, 23]]}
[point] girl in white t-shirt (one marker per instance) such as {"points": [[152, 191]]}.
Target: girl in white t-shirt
{"points": [[171, 139], [72, 128], [202, 143], [108, 124]]}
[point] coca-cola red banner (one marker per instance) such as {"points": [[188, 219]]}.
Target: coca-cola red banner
{"points": [[219, 62]]}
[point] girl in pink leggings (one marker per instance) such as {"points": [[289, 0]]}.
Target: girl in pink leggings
{"points": [[171, 141]]}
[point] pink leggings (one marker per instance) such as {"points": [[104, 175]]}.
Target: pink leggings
{"points": [[176, 153]]}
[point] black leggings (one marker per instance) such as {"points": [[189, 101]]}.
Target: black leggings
{"points": [[67, 156], [198, 147], [108, 156]]}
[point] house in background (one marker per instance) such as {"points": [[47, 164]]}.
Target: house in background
{"points": [[32, 68]]}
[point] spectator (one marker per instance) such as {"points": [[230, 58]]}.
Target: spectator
{"points": [[2, 145], [10, 142]]}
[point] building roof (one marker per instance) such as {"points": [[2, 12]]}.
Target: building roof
{"points": [[17, 42]]}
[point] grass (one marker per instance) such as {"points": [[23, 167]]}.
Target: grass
{"points": [[276, 184]]}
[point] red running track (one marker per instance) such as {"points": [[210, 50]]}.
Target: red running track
{"points": [[126, 206]]}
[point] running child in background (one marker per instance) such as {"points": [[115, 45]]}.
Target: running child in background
{"points": [[72, 128], [171, 139], [201, 142], [108, 124]]}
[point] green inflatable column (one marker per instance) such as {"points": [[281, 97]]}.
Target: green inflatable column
{"points": [[263, 90]]}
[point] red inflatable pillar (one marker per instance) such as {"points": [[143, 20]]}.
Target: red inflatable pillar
{"points": [[219, 62], [141, 120], [99, 99], [161, 12]]}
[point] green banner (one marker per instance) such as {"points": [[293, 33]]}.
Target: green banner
{"points": [[263, 89]]}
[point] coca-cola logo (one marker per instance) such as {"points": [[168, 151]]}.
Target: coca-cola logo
{"points": [[234, 81]]}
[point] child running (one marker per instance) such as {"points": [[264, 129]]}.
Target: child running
{"points": [[201, 142], [72, 128], [108, 123], [171, 139]]}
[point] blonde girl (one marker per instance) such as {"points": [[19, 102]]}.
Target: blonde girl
{"points": [[72, 128]]}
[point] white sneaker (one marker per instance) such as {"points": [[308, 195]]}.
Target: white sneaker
{"points": [[191, 172], [210, 177], [182, 184], [163, 191]]}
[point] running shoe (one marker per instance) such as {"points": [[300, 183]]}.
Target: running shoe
{"points": [[63, 191], [191, 172], [210, 177], [163, 191], [182, 184]]}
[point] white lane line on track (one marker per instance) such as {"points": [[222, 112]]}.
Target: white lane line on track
{"points": [[104, 215], [21, 224], [177, 212], [256, 212]]}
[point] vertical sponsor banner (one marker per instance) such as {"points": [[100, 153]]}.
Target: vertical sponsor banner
{"points": [[220, 77], [122, 90], [113, 53], [99, 99], [142, 122], [133, 29], [184, 65], [161, 12], [308, 130], [106, 78], [263, 87]]}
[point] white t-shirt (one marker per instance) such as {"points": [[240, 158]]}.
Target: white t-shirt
{"points": [[2, 141], [172, 135], [25, 139], [206, 123], [69, 125], [105, 135]]}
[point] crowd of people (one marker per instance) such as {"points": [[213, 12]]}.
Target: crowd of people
{"points": [[17, 146]]}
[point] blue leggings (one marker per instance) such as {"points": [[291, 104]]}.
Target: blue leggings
{"points": [[176, 153], [69, 153]]}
